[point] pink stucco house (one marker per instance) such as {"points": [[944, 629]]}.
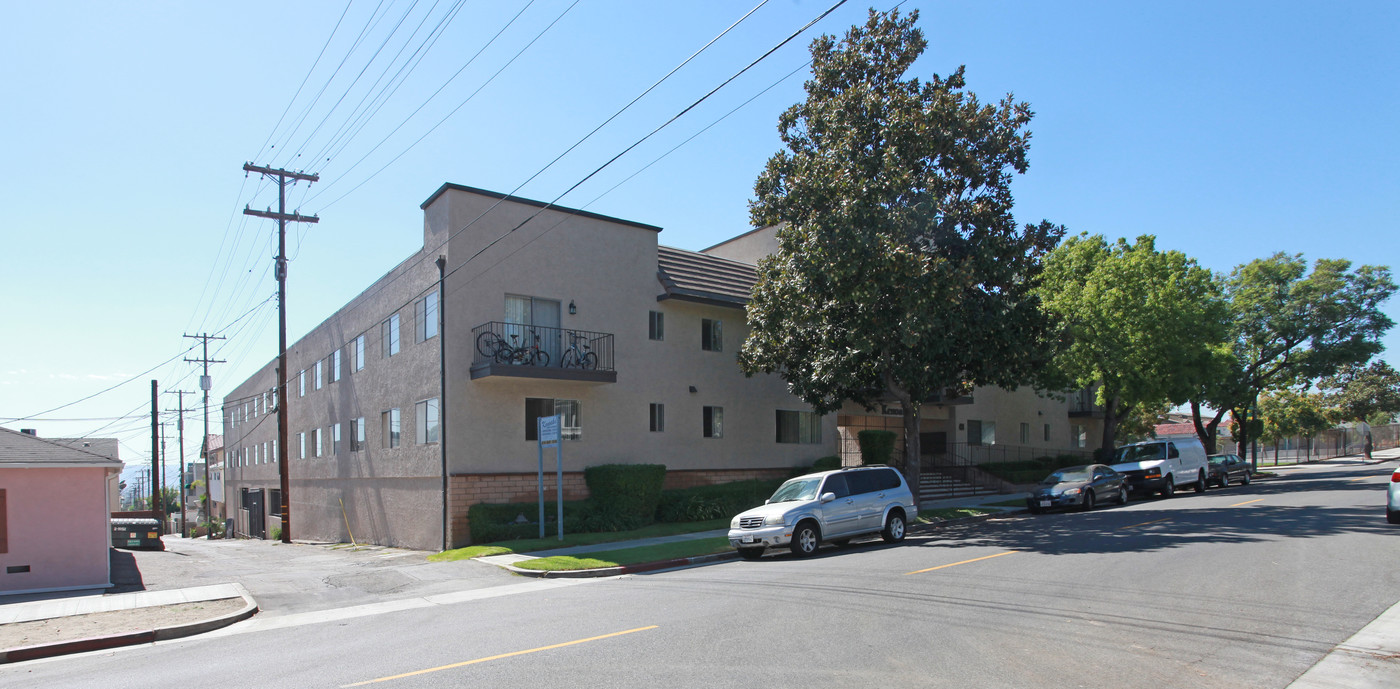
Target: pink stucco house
{"points": [[55, 513]]}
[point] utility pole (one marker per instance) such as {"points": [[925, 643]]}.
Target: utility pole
{"points": [[283, 178], [205, 383], [180, 426], [155, 457]]}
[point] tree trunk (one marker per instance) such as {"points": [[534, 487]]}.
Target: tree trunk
{"points": [[1111, 417], [912, 450], [1206, 432]]}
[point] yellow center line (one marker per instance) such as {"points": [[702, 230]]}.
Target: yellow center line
{"points": [[1246, 502], [1154, 521], [498, 657], [1363, 478], [955, 564]]}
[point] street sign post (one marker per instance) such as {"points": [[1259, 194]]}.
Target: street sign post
{"points": [[548, 427]]}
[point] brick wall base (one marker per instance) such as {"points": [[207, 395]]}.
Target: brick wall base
{"points": [[465, 490]]}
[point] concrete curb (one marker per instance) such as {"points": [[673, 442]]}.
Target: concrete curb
{"points": [[623, 569], [100, 643]]}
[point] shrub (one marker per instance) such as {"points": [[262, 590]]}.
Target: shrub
{"points": [[876, 447], [713, 502], [828, 463], [624, 496], [276, 533], [498, 521]]}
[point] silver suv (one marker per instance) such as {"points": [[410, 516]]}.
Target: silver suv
{"points": [[830, 506]]}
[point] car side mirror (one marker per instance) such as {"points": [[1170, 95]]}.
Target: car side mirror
{"points": [[766, 501], [828, 497]]}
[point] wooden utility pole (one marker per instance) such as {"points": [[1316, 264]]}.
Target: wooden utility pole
{"points": [[180, 427], [156, 507], [205, 384], [283, 178]]}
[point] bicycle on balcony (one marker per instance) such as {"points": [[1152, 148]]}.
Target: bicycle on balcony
{"points": [[492, 346], [579, 354]]}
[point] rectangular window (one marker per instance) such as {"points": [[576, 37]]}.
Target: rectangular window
{"points": [[389, 422], [267, 452], [803, 427], [274, 400], [301, 442], [315, 442], [658, 416], [570, 428], [335, 439], [1025, 433], [711, 335], [712, 418], [389, 336], [360, 353], [335, 365], [656, 325], [1079, 436], [425, 312], [357, 434], [4, 524], [426, 421], [301, 379], [1047, 432], [989, 432], [316, 375], [273, 445]]}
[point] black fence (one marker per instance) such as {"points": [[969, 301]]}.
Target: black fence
{"points": [[532, 345]]}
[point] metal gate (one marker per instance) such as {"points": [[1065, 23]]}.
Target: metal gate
{"points": [[257, 516]]}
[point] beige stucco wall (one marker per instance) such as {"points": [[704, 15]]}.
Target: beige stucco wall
{"points": [[58, 525], [748, 247]]}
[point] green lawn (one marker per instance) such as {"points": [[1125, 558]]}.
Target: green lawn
{"points": [[571, 540], [946, 513], [629, 556]]}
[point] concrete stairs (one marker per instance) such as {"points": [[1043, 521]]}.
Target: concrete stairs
{"points": [[934, 485]]}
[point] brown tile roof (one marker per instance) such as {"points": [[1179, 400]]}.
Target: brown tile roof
{"points": [[22, 449], [692, 276]]}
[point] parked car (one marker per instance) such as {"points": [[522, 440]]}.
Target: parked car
{"points": [[1159, 466], [827, 506], [1081, 487], [1227, 468], [1392, 500]]}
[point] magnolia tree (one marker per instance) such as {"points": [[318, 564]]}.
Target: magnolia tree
{"points": [[900, 273]]}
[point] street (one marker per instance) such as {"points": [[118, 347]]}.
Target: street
{"points": [[1241, 587]]}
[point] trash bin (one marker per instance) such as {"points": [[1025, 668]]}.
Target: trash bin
{"points": [[136, 534]]}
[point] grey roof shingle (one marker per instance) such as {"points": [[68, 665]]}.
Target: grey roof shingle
{"points": [[24, 449], [692, 276]]}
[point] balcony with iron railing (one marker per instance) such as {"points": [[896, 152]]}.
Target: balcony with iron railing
{"points": [[514, 350], [1083, 404]]}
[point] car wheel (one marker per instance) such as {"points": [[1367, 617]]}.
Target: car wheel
{"points": [[1392, 516], [1224, 481], [894, 528], [750, 553], [1245, 481], [805, 539], [1123, 495], [1088, 500], [1200, 483], [1169, 489]]}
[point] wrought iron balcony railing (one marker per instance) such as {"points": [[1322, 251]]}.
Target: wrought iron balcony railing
{"points": [[516, 349]]}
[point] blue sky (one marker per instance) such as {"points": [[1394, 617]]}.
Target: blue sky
{"points": [[1228, 130]]}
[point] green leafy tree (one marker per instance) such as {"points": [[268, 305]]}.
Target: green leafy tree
{"points": [[1288, 413], [901, 273], [1357, 393], [1139, 324], [1289, 328]]}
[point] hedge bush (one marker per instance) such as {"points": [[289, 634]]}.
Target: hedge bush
{"points": [[624, 496], [713, 502], [827, 463], [876, 447], [497, 522], [1032, 470]]}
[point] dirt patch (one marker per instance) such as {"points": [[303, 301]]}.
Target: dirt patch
{"points": [[19, 634]]}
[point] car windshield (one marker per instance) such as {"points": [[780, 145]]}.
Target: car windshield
{"points": [[1219, 459], [1138, 453], [1067, 477], [797, 489]]}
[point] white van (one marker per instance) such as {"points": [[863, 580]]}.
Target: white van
{"points": [[1159, 466]]}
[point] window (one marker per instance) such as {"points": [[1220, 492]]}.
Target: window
{"points": [[301, 445], [274, 400], [316, 376], [989, 432], [389, 335], [1079, 435], [658, 416], [1047, 432], [301, 379], [570, 427], [267, 452], [390, 425], [273, 445], [712, 420], [4, 525], [426, 421], [335, 365], [711, 335], [656, 325], [315, 442], [335, 439], [359, 362], [425, 312], [799, 427], [1025, 433], [357, 434]]}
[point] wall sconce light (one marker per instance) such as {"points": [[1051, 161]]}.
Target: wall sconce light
{"points": [[960, 427], [572, 309], [693, 390]]}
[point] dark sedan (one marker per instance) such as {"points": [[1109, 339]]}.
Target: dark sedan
{"points": [[1080, 487], [1227, 469]]}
